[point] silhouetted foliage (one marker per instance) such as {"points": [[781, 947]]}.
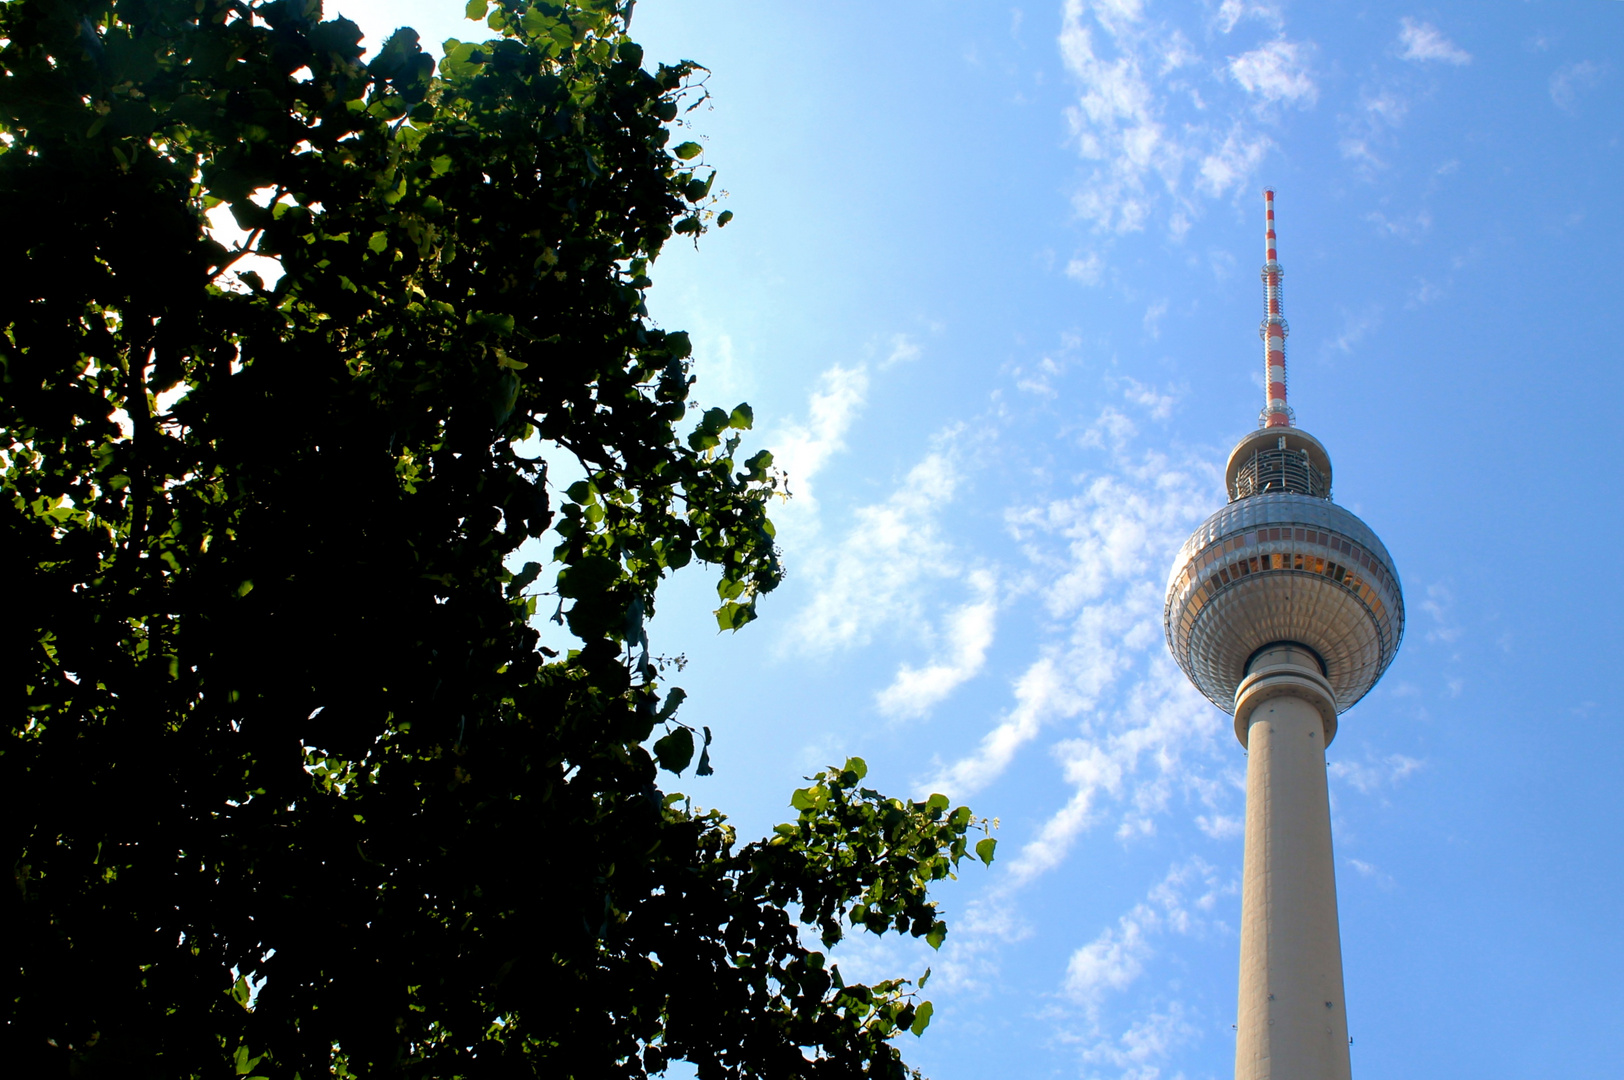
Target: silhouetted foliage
{"points": [[288, 786]]}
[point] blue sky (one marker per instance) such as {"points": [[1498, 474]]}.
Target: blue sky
{"points": [[992, 289]]}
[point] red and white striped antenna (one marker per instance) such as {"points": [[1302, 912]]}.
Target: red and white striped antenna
{"points": [[1276, 413]]}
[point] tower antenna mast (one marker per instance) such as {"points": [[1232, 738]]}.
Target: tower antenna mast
{"points": [[1276, 413]]}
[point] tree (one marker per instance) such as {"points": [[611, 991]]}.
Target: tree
{"points": [[288, 786]]}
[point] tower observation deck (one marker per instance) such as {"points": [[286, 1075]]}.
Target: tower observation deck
{"points": [[1284, 609]]}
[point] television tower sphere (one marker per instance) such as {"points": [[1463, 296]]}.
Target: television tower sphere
{"points": [[1283, 563]]}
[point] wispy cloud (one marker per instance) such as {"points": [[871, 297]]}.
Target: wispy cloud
{"points": [[1373, 872], [1087, 269], [904, 349], [1276, 74], [1111, 961], [1234, 161], [1422, 42], [1572, 80], [1156, 403], [1411, 227], [1231, 12], [1166, 739], [1149, 1040], [802, 449], [869, 577], [1374, 773], [1165, 127], [1181, 903], [967, 634], [1356, 325], [1367, 129], [1151, 111], [1153, 318], [1440, 604], [1098, 558]]}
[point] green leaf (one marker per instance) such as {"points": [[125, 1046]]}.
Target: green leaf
{"points": [[723, 218], [704, 768], [922, 1017], [937, 934], [499, 323], [857, 766], [523, 578], [743, 417], [588, 578], [476, 10], [676, 750], [985, 848], [734, 615], [688, 151], [378, 241], [673, 700]]}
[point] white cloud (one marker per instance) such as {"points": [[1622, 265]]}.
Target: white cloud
{"points": [[869, 578], [1114, 120], [1220, 826], [1114, 959], [903, 350], [1423, 41], [1040, 693], [1233, 163], [969, 633], [1138, 755], [1373, 872], [1153, 318], [801, 450], [1231, 12], [1111, 961], [1277, 73], [1118, 958], [1111, 430], [1411, 227], [1374, 773], [1150, 110], [1366, 131], [1355, 326], [1146, 1042], [1154, 402], [1570, 80], [1038, 381], [1440, 604], [1425, 292], [1099, 559], [1089, 269]]}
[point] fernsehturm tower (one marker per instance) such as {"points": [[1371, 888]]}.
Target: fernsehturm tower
{"points": [[1285, 609]]}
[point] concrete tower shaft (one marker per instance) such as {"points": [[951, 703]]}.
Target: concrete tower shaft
{"points": [[1285, 609], [1291, 1022]]}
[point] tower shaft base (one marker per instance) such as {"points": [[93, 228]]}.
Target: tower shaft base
{"points": [[1292, 1024]]}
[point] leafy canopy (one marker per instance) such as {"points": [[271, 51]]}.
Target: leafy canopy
{"points": [[288, 786]]}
